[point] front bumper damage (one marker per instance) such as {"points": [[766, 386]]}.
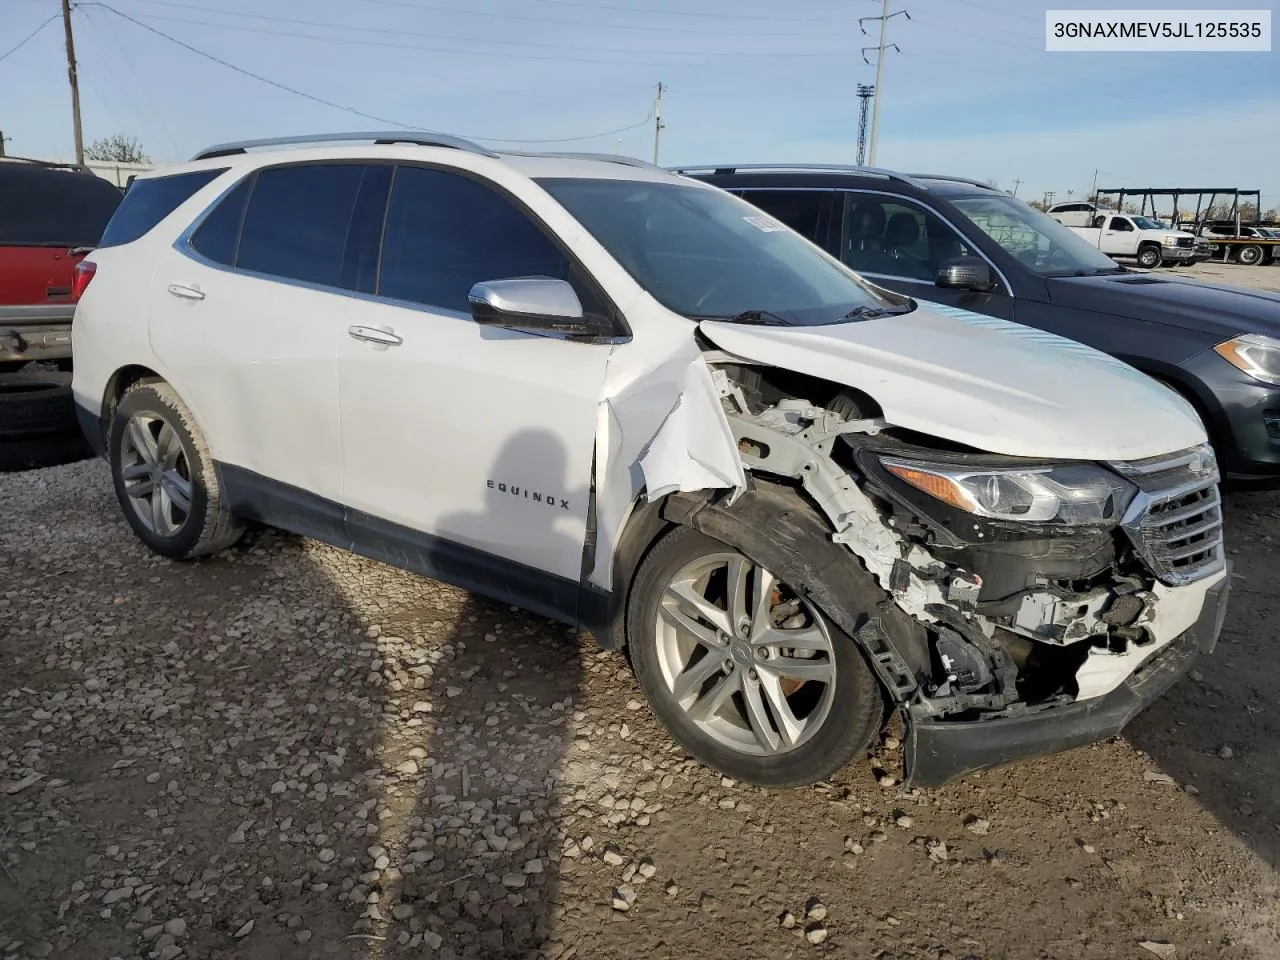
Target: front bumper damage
{"points": [[937, 752], [1045, 644]]}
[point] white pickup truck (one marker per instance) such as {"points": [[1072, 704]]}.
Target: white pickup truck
{"points": [[1116, 234]]}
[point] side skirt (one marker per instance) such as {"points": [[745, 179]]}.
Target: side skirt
{"points": [[255, 497]]}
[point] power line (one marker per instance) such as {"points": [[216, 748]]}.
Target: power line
{"points": [[684, 13], [23, 42], [436, 8], [470, 53], [338, 106]]}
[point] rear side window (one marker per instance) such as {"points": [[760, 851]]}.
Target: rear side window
{"points": [[47, 207], [801, 210], [297, 221], [150, 200]]}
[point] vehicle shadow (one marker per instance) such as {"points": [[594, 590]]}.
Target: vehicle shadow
{"points": [[475, 724], [1217, 730]]}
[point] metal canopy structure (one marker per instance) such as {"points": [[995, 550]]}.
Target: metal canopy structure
{"points": [[1201, 215]]}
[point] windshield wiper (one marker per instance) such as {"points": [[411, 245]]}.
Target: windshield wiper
{"points": [[871, 313], [761, 317]]}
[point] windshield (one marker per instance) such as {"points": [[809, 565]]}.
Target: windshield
{"points": [[704, 253], [1038, 241], [1146, 223]]}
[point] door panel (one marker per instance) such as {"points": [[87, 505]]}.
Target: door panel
{"points": [[480, 436], [246, 317]]}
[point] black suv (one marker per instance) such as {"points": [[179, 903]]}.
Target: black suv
{"points": [[960, 242]]}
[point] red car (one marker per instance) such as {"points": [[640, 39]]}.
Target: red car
{"points": [[51, 215]]}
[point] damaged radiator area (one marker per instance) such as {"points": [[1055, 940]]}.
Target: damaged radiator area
{"points": [[1056, 618]]}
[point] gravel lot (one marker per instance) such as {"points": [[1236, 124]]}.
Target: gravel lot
{"points": [[288, 751]]}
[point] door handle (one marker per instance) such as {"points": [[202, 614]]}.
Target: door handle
{"points": [[374, 335], [186, 292]]}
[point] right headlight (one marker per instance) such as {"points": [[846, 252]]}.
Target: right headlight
{"points": [[1255, 354], [1074, 495]]}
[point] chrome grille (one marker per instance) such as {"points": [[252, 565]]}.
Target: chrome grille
{"points": [[1175, 521]]}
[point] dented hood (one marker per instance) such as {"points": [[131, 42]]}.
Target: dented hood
{"points": [[986, 383]]}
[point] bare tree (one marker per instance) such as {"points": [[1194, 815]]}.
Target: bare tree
{"points": [[117, 148]]}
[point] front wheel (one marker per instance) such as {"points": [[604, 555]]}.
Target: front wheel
{"points": [[1149, 257], [743, 671], [164, 475]]}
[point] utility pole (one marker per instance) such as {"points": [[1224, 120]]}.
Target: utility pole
{"points": [[884, 18], [75, 83], [1016, 184], [1093, 197], [1048, 198], [865, 92], [3, 138], [658, 125]]}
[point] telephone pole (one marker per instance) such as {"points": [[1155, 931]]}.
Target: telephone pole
{"points": [[658, 125], [3, 138], [75, 83], [865, 92], [1016, 184], [884, 18]]}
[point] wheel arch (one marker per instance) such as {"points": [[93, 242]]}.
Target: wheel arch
{"points": [[776, 525]]}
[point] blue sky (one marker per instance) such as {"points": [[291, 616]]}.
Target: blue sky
{"points": [[972, 91]]}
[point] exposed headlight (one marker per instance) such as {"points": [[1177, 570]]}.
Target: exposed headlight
{"points": [[1076, 495], [1169, 240], [1255, 354]]}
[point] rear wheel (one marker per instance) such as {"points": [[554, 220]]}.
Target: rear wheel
{"points": [[1250, 255], [165, 477], [744, 672]]}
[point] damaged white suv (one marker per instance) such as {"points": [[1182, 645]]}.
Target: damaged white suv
{"points": [[631, 402]]}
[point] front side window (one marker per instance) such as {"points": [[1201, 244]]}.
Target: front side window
{"points": [[297, 220], [1120, 224], [149, 200], [1036, 240], [703, 253], [446, 232], [897, 238]]}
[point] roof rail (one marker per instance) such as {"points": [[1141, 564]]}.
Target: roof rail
{"points": [[950, 179], [807, 167], [418, 137], [604, 157], [56, 164]]}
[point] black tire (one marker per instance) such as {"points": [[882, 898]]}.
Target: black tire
{"points": [[208, 526], [1249, 255], [39, 450], [11, 366], [30, 406], [856, 714], [1149, 256]]}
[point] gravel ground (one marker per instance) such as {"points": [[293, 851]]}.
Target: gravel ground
{"points": [[1230, 274], [288, 751]]}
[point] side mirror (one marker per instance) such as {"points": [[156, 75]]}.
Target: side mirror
{"points": [[964, 273], [530, 304]]}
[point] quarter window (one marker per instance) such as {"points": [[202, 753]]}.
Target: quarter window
{"points": [[148, 201], [216, 238], [446, 232], [896, 238], [297, 221]]}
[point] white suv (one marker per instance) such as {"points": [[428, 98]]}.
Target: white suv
{"points": [[631, 402]]}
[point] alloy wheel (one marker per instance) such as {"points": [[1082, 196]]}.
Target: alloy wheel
{"points": [[156, 474], [747, 660]]}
